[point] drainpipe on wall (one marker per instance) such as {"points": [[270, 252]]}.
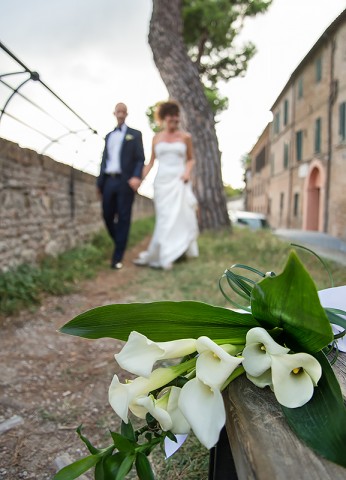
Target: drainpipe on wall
{"points": [[71, 193], [291, 156], [333, 91]]}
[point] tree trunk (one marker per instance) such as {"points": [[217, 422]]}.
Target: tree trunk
{"points": [[181, 78]]}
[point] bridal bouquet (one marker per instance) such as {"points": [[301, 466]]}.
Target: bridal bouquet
{"points": [[283, 339]]}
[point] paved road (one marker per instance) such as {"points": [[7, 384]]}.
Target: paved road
{"points": [[321, 243]]}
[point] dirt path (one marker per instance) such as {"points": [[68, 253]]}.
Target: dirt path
{"points": [[55, 382]]}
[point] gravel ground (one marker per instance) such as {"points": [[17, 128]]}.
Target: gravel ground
{"points": [[55, 382]]}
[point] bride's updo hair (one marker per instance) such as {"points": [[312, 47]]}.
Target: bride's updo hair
{"points": [[166, 108]]}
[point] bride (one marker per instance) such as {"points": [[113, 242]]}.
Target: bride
{"points": [[176, 228]]}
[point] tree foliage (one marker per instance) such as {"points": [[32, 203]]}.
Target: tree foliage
{"points": [[210, 29]]}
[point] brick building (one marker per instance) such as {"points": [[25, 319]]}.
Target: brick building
{"points": [[297, 174]]}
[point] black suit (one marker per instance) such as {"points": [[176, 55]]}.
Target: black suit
{"points": [[117, 195]]}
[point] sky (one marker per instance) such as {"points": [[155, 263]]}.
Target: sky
{"points": [[95, 54]]}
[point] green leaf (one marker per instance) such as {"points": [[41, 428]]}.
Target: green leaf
{"points": [[128, 431], [87, 442], [111, 465], [122, 443], [333, 315], [143, 467], [171, 436], [77, 468], [102, 471], [290, 301], [162, 321], [125, 467], [321, 423]]}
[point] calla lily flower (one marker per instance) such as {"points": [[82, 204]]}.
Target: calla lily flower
{"points": [[169, 401], [258, 352], [165, 409], [214, 365], [123, 396], [263, 380], [294, 377], [203, 408], [150, 405], [139, 353]]}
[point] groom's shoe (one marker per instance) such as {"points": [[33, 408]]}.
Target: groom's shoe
{"points": [[117, 266]]}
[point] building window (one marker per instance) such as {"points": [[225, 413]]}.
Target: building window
{"points": [[260, 160], [300, 87], [277, 123], [299, 145], [272, 164], [318, 135], [282, 198], [286, 155], [318, 69], [295, 204], [285, 112], [342, 121]]}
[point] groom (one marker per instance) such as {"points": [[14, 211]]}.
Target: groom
{"points": [[120, 176]]}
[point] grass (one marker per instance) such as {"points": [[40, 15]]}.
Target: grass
{"points": [[197, 279], [24, 286]]}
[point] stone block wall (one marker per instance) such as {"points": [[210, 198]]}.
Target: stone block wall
{"points": [[46, 207]]}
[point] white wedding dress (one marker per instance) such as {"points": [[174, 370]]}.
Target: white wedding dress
{"points": [[176, 228]]}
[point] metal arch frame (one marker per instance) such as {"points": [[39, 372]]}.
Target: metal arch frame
{"points": [[56, 140], [15, 90], [36, 77]]}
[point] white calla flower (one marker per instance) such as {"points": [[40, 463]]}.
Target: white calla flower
{"points": [[122, 396], [165, 409], [179, 423], [203, 408], [161, 415], [263, 380], [294, 377], [259, 350], [139, 353], [214, 365]]}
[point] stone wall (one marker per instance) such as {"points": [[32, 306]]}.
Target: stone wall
{"points": [[42, 212]]}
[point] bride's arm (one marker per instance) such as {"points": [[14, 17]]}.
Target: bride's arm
{"points": [[149, 165], [190, 158]]}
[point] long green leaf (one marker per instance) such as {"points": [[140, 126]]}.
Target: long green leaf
{"points": [[143, 467], [334, 316], [93, 450], [122, 443], [162, 321], [125, 467], [108, 469], [127, 431], [77, 468], [321, 423], [290, 301]]}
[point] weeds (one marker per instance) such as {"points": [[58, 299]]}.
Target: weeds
{"points": [[24, 286]]}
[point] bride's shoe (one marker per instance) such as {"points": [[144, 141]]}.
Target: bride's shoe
{"points": [[168, 266], [140, 262]]}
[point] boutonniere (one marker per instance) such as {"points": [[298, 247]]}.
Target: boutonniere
{"points": [[129, 137]]}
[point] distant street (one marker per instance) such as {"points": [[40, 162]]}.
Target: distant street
{"points": [[321, 243]]}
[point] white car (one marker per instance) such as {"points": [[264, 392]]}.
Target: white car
{"points": [[253, 220]]}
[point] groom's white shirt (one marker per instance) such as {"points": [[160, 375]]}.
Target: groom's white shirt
{"points": [[114, 142]]}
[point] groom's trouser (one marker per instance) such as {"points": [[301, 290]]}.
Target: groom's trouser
{"points": [[117, 200]]}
